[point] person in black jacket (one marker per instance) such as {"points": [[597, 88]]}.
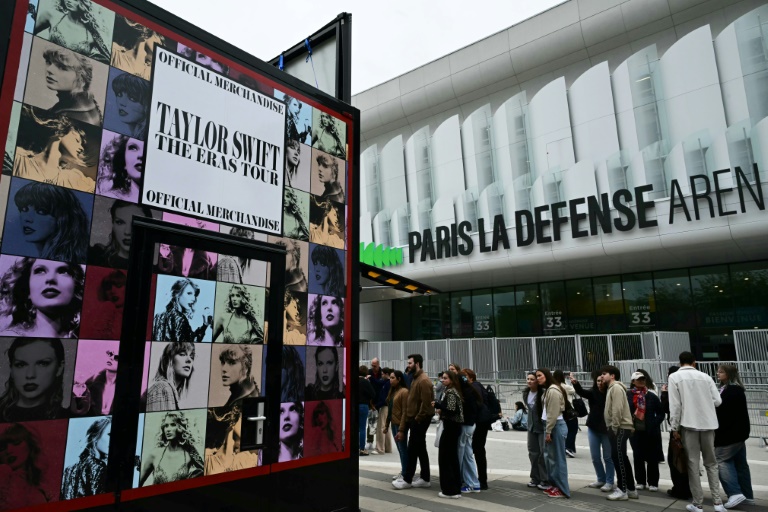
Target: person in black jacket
{"points": [[473, 401], [730, 450], [490, 411], [533, 396], [680, 487], [597, 432], [365, 395], [647, 415]]}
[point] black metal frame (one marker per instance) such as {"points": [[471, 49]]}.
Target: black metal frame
{"points": [[146, 233], [341, 30]]}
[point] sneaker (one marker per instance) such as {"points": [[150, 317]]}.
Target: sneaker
{"points": [[483, 487], [608, 487], [749, 501], [596, 485], [363, 453], [548, 489], [543, 486], [653, 488], [639, 487], [375, 452], [449, 496], [420, 482], [476, 489], [401, 484], [735, 500], [693, 508], [556, 493], [633, 495], [465, 490], [532, 484], [570, 454], [399, 475], [719, 507], [617, 495]]}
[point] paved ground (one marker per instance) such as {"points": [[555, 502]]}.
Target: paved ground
{"points": [[508, 473]]}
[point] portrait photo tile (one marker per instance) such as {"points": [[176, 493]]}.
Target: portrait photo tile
{"points": [[325, 367], [86, 438], [133, 47], [235, 373], [326, 222], [186, 262], [325, 321], [296, 214], [322, 427], [40, 295], [187, 366], [57, 380], [195, 297], [121, 167], [295, 318], [64, 82], [36, 216], [293, 379], [239, 314], [329, 134], [296, 262], [291, 433], [53, 149], [127, 110], [298, 123], [97, 365], [297, 165], [29, 23], [111, 231], [328, 176], [327, 273], [190, 425], [222, 441], [50, 439], [89, 37], [103, 303]]}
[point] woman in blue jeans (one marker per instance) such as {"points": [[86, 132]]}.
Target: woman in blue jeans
{"points": [[597, 432], [730, 450], [396, 402], [556, 431], [365, 395]]}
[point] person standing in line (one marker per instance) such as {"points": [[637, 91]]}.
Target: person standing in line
{"points": [[555, 400], [472, 403], [451, 409], [692, 417], [572, 424], [618, 421], [536, 433], [597, 432], [365, 394], [730, 450], [483, 425], [680, 487], [647, 414], [383, 439], [396, 403], [418, 416]]}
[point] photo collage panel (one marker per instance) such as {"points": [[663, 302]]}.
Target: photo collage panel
{"points": [[71, 185]]}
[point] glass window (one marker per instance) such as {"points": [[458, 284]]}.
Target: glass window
{"points": [[461, 314], [504, 311], [441, 309], [401, 319], [581, 306], [528, 309], [554, 308], [711, 287], [420, 318], [639, 303], [674, 302], [749, 282], [609, 306], [482, 312]]}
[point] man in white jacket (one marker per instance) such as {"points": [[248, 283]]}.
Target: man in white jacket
{"points": [[692, 401]]}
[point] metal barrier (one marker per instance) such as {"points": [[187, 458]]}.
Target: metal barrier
{"points": [[751, 345]]}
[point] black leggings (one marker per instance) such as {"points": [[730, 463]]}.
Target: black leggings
{"points": [[624, 479], [448, 458], [478, 446]]}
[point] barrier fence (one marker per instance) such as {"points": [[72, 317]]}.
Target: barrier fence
{"points": [[504, 362]]}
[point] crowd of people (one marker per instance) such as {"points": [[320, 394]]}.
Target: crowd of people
{"points": [[706, 422]]}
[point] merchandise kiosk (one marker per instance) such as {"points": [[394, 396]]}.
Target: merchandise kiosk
{"points": [[178, 269]]}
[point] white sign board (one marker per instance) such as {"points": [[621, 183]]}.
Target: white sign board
{"points": [[214, 147]]}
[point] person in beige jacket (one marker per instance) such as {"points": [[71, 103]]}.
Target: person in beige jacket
{"points": [[554, 399], [620, 427]]}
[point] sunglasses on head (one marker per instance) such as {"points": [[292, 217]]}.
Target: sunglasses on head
{"points": [[112, 355]]}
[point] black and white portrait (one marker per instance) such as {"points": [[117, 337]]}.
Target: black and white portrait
{"points": [[298, 122], [293, 374], [329, 134], [235, 373], [328, 176], [183, 309], [322, 427], [296, 214], [326, 270], [111, 232], [173, 444], [80, 25], [297, 165], [222, 441], [93, 391], [324, 373], [127, 110], [85, 461], [295, 318], [325, 321], [326, 222], [133, 47], [291, 431], [66, 83], [40, 297], [296, 263], [121, 167], [37, 376], [56, 150], [178, 374], [239, 314]]}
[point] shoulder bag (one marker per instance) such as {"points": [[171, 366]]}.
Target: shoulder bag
{"points": [[580, 406]]}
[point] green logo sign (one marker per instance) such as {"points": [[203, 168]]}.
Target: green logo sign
{"points": [[380, 256]]}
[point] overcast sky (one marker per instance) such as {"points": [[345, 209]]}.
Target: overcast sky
{"points": [[388, 38]]}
